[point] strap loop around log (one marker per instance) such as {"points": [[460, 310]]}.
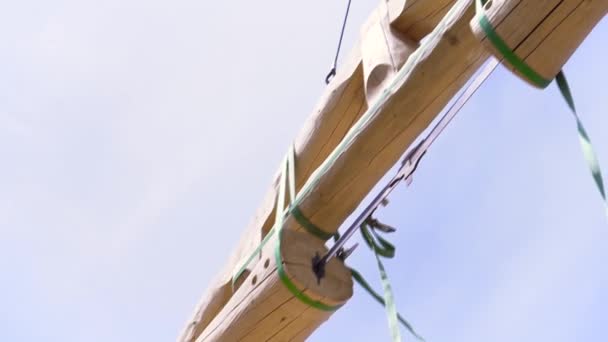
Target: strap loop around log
{"points": [[507, 53], [288, 169], [308, 225], [535, 78], [287, 179]]}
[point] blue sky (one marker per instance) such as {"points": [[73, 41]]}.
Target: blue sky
{"points": [[137, 138]]}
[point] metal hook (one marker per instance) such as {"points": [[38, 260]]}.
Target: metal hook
{"points": [[331, 75]]}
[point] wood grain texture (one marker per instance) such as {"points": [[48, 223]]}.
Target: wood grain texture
{"points": [[543, 33], [262, 309], [383, 51], [430, 80], [416, 18], [342, 104]]}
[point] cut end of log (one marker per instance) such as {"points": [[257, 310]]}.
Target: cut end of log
{"points": [[298, 249], [541, 35], [267, 307]]}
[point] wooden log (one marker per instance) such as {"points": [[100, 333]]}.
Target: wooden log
{"points": [[342, 103], [383, 52], [464, 15], [544, 34], [430, 77], [416, 18], [263, 309]]}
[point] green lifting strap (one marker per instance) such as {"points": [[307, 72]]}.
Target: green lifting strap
{"points": [[385, 249], [309, 226], [588, 152], [257, 251], [287, 179], [506, 52], [365, 285], [373, 109], [279, 223], [535, 78], [295, 210]]}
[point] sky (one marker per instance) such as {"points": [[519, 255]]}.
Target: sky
{"points": [[138, 137]]}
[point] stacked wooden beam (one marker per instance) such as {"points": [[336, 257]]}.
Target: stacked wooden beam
{"points": [[411, 59]]}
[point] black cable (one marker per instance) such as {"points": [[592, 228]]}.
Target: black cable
{"points": [[332, 72]]}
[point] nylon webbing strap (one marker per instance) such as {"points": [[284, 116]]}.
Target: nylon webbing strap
{"points": [[257, 251], [309, 226], [289, 168], [365, 285], [385, 249], [588, 152], [508, 54], [374, 108], [535, 78], [295, 210], [287, 180]]}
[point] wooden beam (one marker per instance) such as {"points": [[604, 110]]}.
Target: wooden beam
{"points": [[263, 309], [362, 144], [543, 34], [429, 79], [342, 103]]}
